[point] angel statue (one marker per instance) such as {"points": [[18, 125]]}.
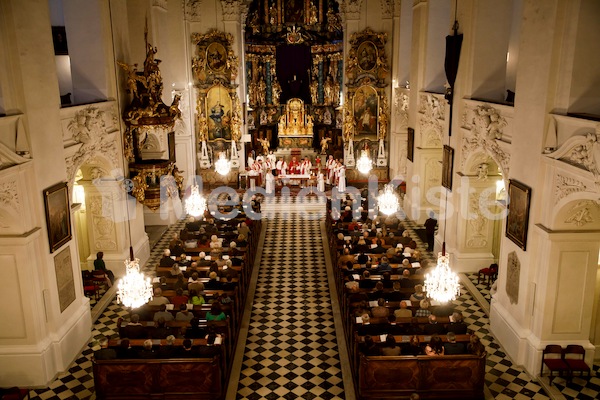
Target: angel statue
{"points": [[265, 145], [325, 144]]}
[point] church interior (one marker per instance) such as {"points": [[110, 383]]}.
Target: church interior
{"points": [[284, 118]]}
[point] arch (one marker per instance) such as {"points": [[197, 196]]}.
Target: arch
{"points": [[578, 211], [480, 155]]}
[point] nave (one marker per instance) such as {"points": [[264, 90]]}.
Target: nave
{"points": [[292, 280]]}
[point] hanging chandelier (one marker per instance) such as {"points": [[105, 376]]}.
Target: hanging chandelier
{"points": [[134, 289], [388, 201], [196, 203], [442, 283], [364, 163], [222, 165]]}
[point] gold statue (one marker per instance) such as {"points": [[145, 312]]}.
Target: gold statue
{"points": [[348, 124], [265, 145]]}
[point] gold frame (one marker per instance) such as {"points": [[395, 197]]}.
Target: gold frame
{"points": [[517, 220], [58, 215]]}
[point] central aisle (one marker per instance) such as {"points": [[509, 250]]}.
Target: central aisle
{"points": [[291, 350]]}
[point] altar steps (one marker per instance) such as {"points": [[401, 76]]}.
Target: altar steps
{"points": [[278, 206]]}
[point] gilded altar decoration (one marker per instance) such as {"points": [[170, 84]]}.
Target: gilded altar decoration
{"points": [[294, 121], [367, 58], [214, 58], [367, 116], [149, 138], [218, 107]]}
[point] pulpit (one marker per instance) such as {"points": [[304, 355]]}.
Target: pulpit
{"points": [[295, 127]]}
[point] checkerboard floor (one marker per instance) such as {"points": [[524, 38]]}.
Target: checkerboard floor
{"points": [[291, 351]]}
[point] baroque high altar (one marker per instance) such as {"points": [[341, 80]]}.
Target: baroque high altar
{"points": [[295, 127]]}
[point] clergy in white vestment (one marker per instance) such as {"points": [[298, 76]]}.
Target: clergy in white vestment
{"points": [[272, 158], [270, 183], [330, 165], [341, 173], [281, 167], [305, 167], [321, 182]]}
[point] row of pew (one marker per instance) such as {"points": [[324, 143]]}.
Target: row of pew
{"points": [[204, 377], [388, 377]]}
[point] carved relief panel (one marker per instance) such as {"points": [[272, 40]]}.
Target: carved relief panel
{"points": [[513, 273]]}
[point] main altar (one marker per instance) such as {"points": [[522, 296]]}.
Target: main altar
{"points": [[295, 127]]}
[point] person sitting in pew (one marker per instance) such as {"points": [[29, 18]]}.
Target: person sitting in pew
{"points": [[196, 298], [475, 346], [161, 330], [380, 311], [225, 298], [213, 282], [183, 314], [186, 350], [457, 325], [394, 328], [215, 313], [435, 347], [369, 348], [384, 265], [202, 261], [195, 331], [413, 347], [125, 351], [158, 298], [229, 284], [163, 313], [403, 311], [433, 328], [452, 347], [166, 260], [105, 353], [395, 294], [351, 285], [423, 310], [176, 246], [378, 292], [390, 348], [194, 283], [398, 257], [386, 279], [167, 350], [405, 281], [241, 240], [180, 284], [134, 329], [366, 282], [418, 295], [147, 352]]}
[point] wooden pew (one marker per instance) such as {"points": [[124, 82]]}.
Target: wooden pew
{"points": [[193, 378], [432, 377]]}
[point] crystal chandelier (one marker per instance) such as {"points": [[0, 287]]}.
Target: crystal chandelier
{"points": [[222, 165], [196, 203], [134, 289], [442, 284], [364, 163], [388, 201]]}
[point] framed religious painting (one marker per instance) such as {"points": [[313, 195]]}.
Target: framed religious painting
{"points": [[216, 57], [367, 56], [58, 215], [366, 106], [410, 145], [517, 222], [447, 167], [219, 111]]}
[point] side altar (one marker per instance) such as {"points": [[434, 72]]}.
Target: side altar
{"points": [[295, 127]]}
